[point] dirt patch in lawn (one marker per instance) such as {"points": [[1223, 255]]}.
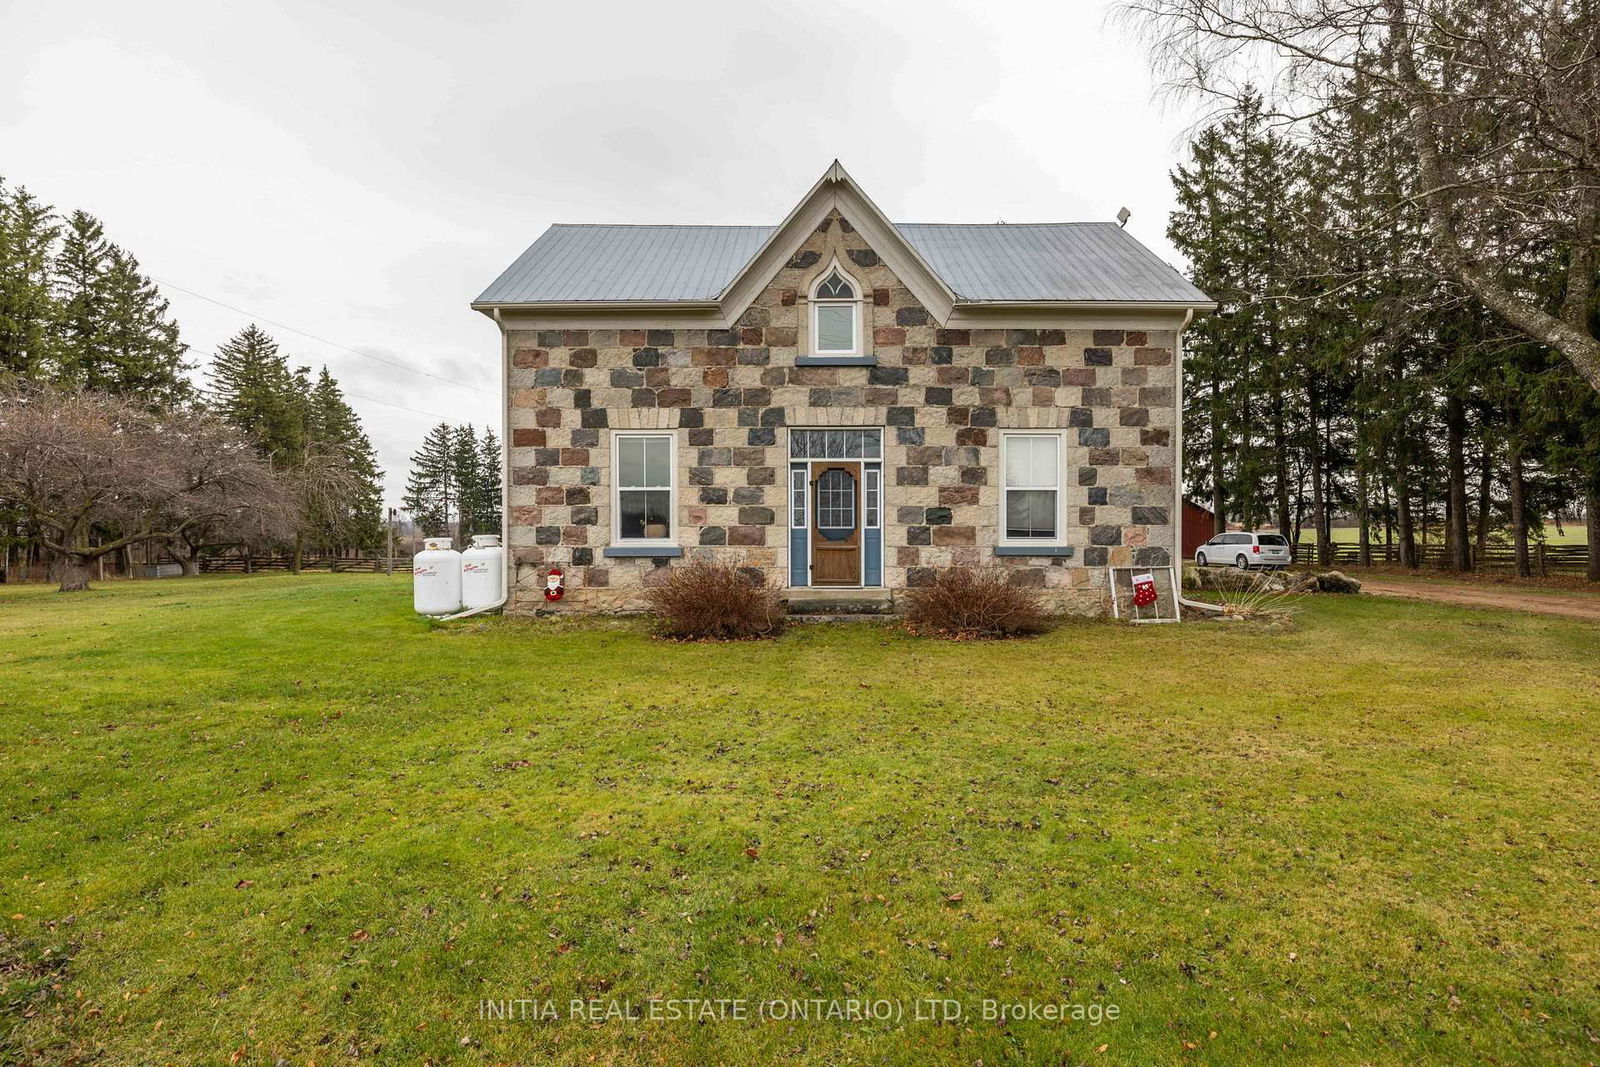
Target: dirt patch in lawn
{"points": [[1567, 605]]}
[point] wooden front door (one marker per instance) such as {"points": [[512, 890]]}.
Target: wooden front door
{"points": [[836, 524]]}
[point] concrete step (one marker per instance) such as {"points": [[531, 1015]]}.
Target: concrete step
{"points": [[824, 601]]}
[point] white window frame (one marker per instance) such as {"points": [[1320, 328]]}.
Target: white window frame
{"points": [[1060, 488], [857, 306], [872, 494], [617, 437]]}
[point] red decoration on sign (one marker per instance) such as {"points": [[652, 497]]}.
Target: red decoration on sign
{"points": [[553, 587], [1144, 590]]}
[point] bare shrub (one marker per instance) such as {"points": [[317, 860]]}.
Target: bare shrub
{"points": [[706, 601], [966, 602]]}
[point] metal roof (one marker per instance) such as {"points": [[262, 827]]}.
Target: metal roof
{"points": [[604, 263], [1048, 261], [1065, 261]]}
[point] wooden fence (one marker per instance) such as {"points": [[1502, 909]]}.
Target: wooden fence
{"points": [[1543, 558], [333, 564]]}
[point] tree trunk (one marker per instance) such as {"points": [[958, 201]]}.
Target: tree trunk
{"points": [[1280, 444], [1363, 510], [1485, 498], [1519, 508], [191, 563], [1405, 532], [1591, 505], [294, 560], [74, 571], [1219, 494], [1319, 499], [1456, 444], [1425, 511]]}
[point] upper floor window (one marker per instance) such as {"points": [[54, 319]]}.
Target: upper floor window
{"points": [[836, 315]]}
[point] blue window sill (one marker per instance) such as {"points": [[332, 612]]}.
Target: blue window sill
{"points": [[1033, 550], [836, 361], [647, 551]]}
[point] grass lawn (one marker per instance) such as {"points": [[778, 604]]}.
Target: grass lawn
{"points": [[283, 819]]}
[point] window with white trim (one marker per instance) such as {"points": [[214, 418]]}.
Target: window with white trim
{"points": [[873, 508], [836, 314], [644, 493], [1031, 496]]}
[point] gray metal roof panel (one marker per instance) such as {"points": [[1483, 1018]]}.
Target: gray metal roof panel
{"points": [[1048, 261], [605, 263], [1066, 261]]}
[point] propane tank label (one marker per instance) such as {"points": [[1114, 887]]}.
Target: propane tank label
{"points": [[427, 570], [475, 568]]}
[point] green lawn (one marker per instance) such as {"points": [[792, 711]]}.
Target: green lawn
{"points": [[283, 819]]}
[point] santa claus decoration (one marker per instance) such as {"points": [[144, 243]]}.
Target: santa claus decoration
{"points": [[554, 588], [1144, 590]]}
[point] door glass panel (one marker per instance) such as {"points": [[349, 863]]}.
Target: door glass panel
{"points": [[797, 497], [836, 501]]}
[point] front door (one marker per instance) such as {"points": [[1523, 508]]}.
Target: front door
{"points": [[836, 524]]}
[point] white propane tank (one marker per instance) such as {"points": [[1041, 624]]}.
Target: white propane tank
{"points": [[482, 568], [436, 578]]}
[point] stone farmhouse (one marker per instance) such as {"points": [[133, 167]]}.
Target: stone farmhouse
{"points": [[841, 403]]}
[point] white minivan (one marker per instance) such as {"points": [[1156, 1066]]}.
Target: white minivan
{"points": [[1245, 550]]}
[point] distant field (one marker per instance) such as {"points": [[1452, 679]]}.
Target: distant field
{"points": [[1568, 535]]}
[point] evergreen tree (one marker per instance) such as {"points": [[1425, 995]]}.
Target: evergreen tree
{"points": [[464, 470], [28, 233], [333, 421], [83, 315], [430, 493], [144, 357], [489, 482], [253, 389], [1234, 223], [83, 347]]}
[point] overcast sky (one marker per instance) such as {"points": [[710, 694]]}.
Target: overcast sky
{"points": [[360, 171]]}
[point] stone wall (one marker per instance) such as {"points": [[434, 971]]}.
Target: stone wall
{"points": [[942, 396]]}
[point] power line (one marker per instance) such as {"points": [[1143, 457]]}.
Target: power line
{"points": [[324, 340], [392, 404], [345, 391]]}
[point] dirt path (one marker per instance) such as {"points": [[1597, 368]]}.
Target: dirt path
{"points": [[1569, 605]]}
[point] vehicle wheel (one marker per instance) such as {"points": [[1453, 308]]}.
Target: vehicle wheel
{"points": [[1243, 563], [1199, 559]]}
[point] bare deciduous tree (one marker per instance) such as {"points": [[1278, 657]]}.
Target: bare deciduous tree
{"points": [[325, 488], [232, 496], [96, 473], [1501, 106]]}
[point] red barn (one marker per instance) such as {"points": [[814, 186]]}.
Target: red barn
{"points": [[1198, 526]]}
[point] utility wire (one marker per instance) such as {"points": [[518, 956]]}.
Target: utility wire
{"points": [[386, 403], [324, 340]]}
